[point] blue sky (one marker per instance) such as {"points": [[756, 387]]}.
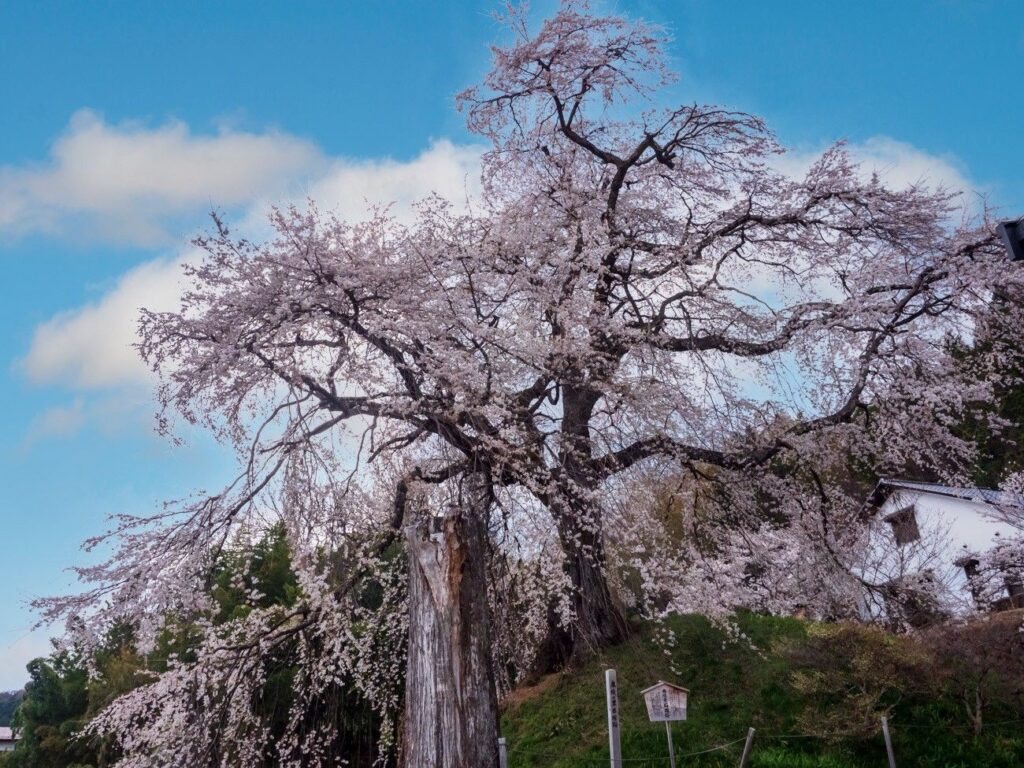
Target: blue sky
{"points": [[124, 122]]}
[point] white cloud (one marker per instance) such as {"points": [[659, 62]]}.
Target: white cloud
{"points": [[128, 183], [902, 165], [59, 421], [90, 348], [353, 188], [446, 169], [898, 163], [111, 412]]}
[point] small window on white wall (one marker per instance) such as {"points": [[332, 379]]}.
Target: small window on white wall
{"points": [[904, 526], [970, 566], [1014, 585]]}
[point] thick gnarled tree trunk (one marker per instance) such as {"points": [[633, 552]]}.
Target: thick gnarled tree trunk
{"points": [[598, 620], [451, 714]]}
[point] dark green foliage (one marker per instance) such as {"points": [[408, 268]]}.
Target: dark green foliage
{"points": [[1002, 453], [9, 701], [61, 697], [54, 707], [266, 568], [997, 425]]}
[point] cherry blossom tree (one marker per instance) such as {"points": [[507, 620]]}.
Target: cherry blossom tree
{"points": [[692, 303], [637, 287]]}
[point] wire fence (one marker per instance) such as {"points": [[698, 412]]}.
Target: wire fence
{"points": [[514, 757], [659, 760]]}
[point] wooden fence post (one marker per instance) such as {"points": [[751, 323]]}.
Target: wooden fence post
{"points": [[746, 748], [888, 742]]}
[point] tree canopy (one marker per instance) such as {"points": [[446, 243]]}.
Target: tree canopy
{"points": [[639, 287]]}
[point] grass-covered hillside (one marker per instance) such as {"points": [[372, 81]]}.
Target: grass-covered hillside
{"points": [[814, 692]]}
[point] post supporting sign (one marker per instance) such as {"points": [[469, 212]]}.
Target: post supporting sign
{"points": [[611, 690], [665, 703]]}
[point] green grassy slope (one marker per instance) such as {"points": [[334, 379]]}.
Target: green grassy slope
{"points": [[562, 722]]}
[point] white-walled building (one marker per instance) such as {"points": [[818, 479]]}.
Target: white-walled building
{"points": [[8, 738], [939, 540]]}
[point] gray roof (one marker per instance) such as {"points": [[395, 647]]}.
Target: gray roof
{"points": [[660, 683], [984, 495]]}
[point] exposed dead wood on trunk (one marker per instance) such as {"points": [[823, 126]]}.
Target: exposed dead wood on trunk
{"points": [[451, 717]]}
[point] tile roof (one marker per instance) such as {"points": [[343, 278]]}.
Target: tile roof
{"points": [[983, 495]]}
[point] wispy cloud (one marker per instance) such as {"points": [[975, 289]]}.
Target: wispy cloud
{"points": [[58, 421], [131, 183], [90, 348], [444, 168], [899, 164]]}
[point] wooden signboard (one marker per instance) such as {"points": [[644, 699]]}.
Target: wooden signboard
{"points": [[665, 702]]}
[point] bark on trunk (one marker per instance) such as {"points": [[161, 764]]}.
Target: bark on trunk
{"points": [[451, 711], [599, 622]]}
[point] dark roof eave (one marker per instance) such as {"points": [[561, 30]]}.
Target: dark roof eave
{"points": [[990, 496]]}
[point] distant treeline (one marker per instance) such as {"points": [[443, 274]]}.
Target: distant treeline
{"points": [[9, 701]]}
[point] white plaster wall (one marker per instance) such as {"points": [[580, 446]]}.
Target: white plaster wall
{"points": [[957, 526]]}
